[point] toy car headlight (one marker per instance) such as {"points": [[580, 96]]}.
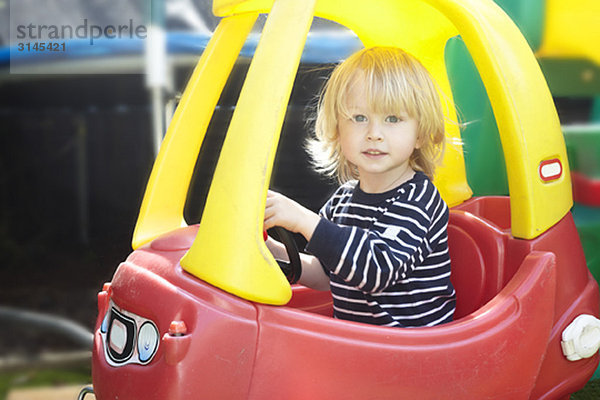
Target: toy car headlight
{"points": [[120, 336], [128, 338], [147, 342]]}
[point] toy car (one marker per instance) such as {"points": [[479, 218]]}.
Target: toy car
{"points": [[204, 311]]}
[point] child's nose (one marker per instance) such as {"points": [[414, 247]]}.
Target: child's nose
{"points": [[374, 133]]}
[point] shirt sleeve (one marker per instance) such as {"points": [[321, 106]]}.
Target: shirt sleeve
{"points": [[374, 259]]}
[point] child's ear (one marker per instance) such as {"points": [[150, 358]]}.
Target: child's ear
{"points": [[419, 142]]}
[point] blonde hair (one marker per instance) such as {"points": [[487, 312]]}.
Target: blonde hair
{"points": [[395, 82]]}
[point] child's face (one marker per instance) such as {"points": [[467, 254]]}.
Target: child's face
{"points": [[379, 145]]}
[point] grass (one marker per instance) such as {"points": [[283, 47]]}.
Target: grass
{"points": [[82, 375], [43, 377], [591, 391]]}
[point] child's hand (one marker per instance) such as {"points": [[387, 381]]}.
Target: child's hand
{"points": [[284, 212]]}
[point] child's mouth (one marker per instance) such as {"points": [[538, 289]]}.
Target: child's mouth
{"points": [[374, 153]]}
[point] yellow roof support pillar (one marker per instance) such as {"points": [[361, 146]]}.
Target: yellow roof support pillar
{"points": [[229, 251], [528, 124], [166, 192]]}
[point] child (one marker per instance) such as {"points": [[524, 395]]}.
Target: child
{"points": [[380, 242]]}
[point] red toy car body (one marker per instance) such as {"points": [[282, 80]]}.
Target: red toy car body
{"points": [[514, 299], [176, 324]]}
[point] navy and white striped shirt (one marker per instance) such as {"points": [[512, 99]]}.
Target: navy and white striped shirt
{"points": [[387, 254]]}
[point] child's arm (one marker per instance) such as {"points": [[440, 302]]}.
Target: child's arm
{"points": [[372, 260], [284, 212]]}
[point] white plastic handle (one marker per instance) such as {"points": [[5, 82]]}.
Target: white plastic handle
{"points": [[581, 339]]}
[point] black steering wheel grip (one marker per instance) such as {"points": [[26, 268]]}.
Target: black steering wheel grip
{"points": [[292, 269]]}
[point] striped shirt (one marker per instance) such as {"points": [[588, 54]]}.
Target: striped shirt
{"points": [[387, 254]]}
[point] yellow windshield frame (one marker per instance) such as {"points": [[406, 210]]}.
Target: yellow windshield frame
{"points": [[228, 251]]}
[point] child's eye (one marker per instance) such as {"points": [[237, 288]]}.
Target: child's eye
{"points": [[392, 119], [359, 118]]}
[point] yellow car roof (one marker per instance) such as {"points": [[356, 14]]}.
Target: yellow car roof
{"points": [[229, 251]]}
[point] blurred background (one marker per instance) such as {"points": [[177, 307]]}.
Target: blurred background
{"points": [[80, 128], [79, 131]]}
